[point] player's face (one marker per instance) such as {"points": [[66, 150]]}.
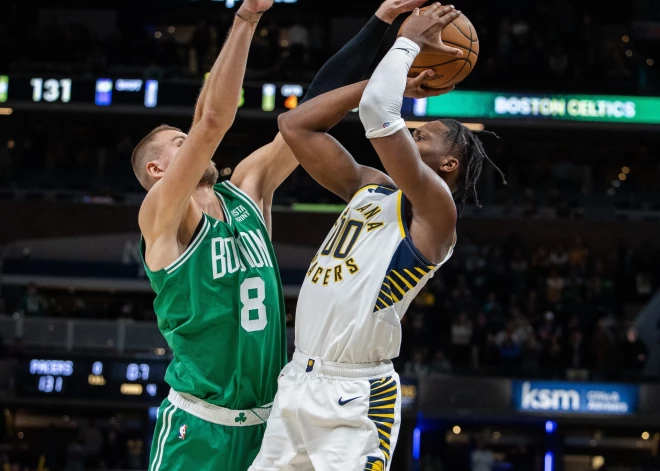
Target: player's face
{"points": [[169, 143], [434, 148]]}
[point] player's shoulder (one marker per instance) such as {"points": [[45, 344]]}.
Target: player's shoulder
{"points": [[374, 191]]}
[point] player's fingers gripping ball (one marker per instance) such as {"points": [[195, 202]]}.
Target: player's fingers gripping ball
{"points": [[449, 70]]}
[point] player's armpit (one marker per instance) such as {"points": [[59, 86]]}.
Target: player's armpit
{"points": [[263, 171], [433, 204]]}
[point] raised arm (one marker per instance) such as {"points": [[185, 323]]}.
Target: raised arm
{"points": [[167, 202], [305, 130], [261, 173], [434, 210]]}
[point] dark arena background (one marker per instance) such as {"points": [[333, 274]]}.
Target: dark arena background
{"points": [[535, 348]]}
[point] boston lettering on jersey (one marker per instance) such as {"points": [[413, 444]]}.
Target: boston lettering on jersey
{"points": [[344, 236], [230, 254]]}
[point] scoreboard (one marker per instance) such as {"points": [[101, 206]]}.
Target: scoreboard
{"points": [[106, 92], [131, 94], [89, 378]]}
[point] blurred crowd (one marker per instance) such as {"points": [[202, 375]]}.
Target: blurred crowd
{"points": [[552, 177], [549, 311], [503, 308], [541, 44], [76, 444]]}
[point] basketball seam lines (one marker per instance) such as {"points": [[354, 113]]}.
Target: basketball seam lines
{"points": [[468, 55], [466, 36], [458, 45], [443, 63]]}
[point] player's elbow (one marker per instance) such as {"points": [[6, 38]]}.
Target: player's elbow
{"points": [[369, 105], [287, 125], [217, 122], [375, 117]]}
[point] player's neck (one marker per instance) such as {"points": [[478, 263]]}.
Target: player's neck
{"points": [[207, 201]]}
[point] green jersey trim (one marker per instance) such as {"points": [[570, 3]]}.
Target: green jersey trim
{"points": [[225, 209], [241, 194], [191, 248]]}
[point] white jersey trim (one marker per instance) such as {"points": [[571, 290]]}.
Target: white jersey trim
{"points": [[176, 264]]}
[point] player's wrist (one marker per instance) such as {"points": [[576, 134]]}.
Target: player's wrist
{"points": [[412, 43], [386, 14], [248, 16]]}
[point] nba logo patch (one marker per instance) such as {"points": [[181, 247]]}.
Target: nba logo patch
{"points": [[182, 432], [310, 366]]}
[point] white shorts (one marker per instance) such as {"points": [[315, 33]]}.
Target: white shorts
{"points": [[332, 417]]}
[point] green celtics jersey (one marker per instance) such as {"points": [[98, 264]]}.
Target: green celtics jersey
{"points": [[221, 309]]}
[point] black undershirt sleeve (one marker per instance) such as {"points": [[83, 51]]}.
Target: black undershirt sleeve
{"points": [[352, 61]]}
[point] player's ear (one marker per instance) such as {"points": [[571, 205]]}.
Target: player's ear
{"points": [[154, 170], [449, 164]]}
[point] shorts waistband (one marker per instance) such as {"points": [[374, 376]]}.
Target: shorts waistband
{"points": [[219, 415], [318, 366]]}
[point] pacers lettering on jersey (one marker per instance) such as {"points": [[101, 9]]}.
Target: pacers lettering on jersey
{"points": [[340, 244], [229, 254]]}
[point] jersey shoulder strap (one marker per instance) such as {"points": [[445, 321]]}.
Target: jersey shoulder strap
{"points": [[370, 193]]}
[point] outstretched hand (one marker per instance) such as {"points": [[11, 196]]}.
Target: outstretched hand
{"points": [[415, 87], [390, 9], [425, 28], [256, 6]]}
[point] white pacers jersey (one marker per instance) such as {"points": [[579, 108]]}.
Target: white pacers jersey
{"points": [[361, 282]]}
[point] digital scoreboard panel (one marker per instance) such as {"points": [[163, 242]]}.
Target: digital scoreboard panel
{"points": [[104, 93], [180, 96], [111, 92], [89, 378]]}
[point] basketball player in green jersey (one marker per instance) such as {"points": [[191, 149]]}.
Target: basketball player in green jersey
{"points": [[208, 254]]}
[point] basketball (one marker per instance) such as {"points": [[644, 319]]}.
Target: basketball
{"points": [[449, 70]]}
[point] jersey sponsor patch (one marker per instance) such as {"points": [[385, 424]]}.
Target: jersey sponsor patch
{"points": [[240, 213]]}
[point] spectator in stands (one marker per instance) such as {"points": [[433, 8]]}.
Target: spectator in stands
{"points": [[480, 334], [575, 351], [531, 355], [440, 364], [579, 254], [558, 257], [33, 303], [634, 353], [509, 346], [75, 455], [111, 453], [492, 308], [417, 365], [555, 287], [481, 458], [541, 260], [551, 359], [461, 336], [603, 346]]}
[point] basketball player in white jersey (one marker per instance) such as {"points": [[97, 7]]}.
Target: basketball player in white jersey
{"points": [[338, 403]]}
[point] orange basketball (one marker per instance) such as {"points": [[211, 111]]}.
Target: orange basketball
{"points": [[449, 70]]}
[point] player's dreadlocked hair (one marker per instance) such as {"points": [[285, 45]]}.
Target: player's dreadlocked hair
{"points": [[470, 151]]}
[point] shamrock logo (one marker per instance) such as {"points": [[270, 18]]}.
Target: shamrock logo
{"points": [[241, 418]]}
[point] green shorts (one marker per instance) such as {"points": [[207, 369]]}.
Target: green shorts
{"points": [[183, 441]]}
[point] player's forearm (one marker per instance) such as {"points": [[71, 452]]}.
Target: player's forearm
{"points": [[221, 92], [380, 108]]}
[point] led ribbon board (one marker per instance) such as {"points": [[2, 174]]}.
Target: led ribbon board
{"points": [[586, 108]]}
